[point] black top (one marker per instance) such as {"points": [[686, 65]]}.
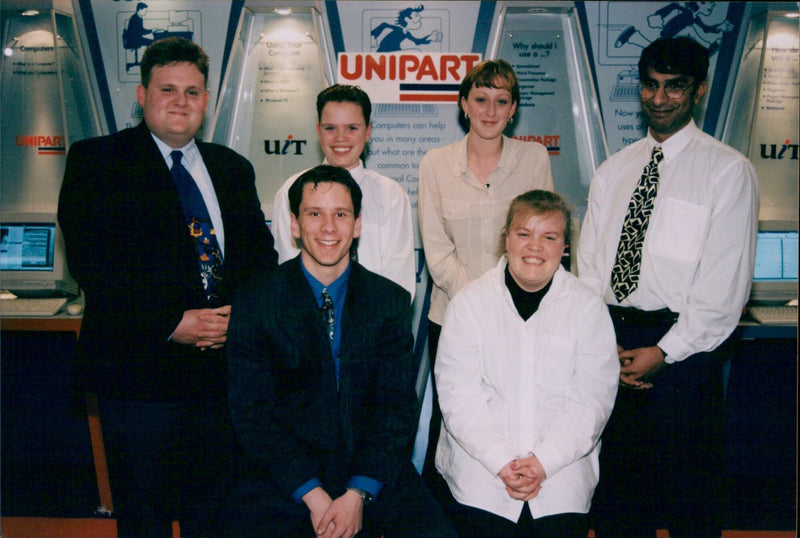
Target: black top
{"points": [[527, 302]]}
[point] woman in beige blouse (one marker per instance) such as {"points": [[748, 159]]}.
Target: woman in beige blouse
{"points": [[465, 190]]}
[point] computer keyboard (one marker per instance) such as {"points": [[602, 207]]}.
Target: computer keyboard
{"points": [[31, 307], [774, 314]]}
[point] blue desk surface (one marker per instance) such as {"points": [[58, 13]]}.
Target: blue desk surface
{"points": [[752, 330]]}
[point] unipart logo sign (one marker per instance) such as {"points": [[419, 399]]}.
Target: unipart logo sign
{"points": [[400, 77], [45, 144]]}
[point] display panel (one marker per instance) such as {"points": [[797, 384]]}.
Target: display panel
{"points": [[558, 104], [47, 104], [32, 256], [762, 124], [776, 256], [775, 271], [27, 246], [267, 112], [763, 118]]}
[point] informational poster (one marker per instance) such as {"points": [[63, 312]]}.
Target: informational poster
{"points": [[81, 115], [774, 139], [536, 57], [268, 107], [126, 28], [32, 155], [545, 112], [432, 47], [288, 74], [619, 33], [558, 104]]}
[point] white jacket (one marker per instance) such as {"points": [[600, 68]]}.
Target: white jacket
{"points": [[509, 387]]}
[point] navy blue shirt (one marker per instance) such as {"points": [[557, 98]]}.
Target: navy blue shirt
{"points": [[338, 291]]}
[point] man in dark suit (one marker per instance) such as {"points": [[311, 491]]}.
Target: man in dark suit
{"points": [[321, 385], [158, 275]]}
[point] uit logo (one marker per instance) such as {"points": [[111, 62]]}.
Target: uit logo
{"points": [[787, 150], [284, 147], [46, 145]]}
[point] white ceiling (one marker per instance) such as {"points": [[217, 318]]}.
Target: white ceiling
{"points": [[27, 4]]}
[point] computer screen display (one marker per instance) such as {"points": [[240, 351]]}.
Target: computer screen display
{"points": [[32, 256], [775, 270], [776, 256], [27, 246]]}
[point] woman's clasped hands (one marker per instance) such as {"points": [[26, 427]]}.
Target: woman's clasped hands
{"points": [[523, 477]]}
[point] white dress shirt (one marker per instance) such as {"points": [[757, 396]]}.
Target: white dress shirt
{"points": [[510, 387], [386, 245], [698, 253], [460, 219]]}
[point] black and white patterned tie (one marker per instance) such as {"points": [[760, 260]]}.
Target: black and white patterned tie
{"points": [[625, 273], [327, 311]]}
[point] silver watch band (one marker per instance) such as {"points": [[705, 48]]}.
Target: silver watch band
{"points": [[366, 497]]}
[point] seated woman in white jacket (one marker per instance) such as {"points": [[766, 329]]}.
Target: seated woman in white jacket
{"points": [[527, 372]]}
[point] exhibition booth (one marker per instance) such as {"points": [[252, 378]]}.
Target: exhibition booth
{"points": [[70, 69]]}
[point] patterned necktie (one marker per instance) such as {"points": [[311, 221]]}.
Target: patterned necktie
{"points": [[625, 274], [200, 226], [327, 312]]}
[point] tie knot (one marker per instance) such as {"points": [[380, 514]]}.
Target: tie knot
{"points": [[176, 155], [657, 154], [327, 313], [327, 302]]}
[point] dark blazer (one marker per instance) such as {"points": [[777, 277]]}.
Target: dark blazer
{"points": [[128, 248], [291, 420]]}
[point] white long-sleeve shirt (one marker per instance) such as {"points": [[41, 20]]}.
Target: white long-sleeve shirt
{"points": [[460, 219], [510, 387], [386, 245], [699, 250]]}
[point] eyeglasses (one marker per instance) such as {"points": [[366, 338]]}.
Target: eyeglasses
{"points": [[674, 88]]}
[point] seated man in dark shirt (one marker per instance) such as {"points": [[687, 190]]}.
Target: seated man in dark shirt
{"points": [[321, 374]]}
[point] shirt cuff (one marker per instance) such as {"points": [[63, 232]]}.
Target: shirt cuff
{"points": [[370, 485], [297, 496], [674, 347]]}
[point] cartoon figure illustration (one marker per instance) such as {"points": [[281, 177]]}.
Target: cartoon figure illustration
{"points": [[407, 20], [680, 19], [627, 86], [134, 34]]}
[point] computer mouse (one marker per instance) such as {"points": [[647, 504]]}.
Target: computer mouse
{"points": [[74, 309]]}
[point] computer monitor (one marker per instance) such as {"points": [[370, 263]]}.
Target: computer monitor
{"points": [[775, 271], [32, 258], [177, 17]]}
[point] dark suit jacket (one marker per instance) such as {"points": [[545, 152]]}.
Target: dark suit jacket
{"points": [[291, 420], [128, 248]]}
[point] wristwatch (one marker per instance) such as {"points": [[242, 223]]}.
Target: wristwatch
{"points": [[366, 496]]}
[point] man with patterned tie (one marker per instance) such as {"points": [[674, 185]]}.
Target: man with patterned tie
{"points": [[669, 241], [160, 229], [322, 385]]}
